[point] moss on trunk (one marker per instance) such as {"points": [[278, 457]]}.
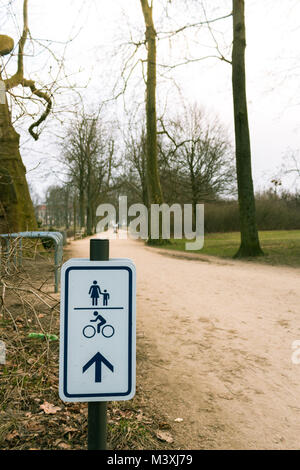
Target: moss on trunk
{"points": [[16, 208]]}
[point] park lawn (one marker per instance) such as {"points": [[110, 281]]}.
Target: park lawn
{"points": [[281, 247]]}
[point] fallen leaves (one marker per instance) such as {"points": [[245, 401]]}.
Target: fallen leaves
{"points": [[49, 409], [62, 445], [164, 436], [12, 435]]}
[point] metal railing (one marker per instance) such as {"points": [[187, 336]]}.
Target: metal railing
{"points": [[57, 238]]}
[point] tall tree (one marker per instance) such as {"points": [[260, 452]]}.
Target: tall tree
{"points": [[250, 245], [153, 182], [88, 152], [16, 211]]}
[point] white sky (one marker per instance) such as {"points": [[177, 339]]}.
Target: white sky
{"points": [[100, 26]]}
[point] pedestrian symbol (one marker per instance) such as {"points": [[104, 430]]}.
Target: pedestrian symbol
{"points": [[95, 292]]}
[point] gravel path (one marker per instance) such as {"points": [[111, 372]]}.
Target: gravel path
{"points": [[217, 337]]}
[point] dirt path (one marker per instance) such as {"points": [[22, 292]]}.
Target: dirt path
{"points": [[217, 338]]}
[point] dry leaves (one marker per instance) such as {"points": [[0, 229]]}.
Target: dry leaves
{"points": [[164, 436], [62, 445], [49, 409], [12, 435]]}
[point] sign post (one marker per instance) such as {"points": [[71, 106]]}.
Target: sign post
{"points": [[97, 335], [97, 411]]}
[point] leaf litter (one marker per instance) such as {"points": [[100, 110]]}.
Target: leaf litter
{"points": [[32, 416]]}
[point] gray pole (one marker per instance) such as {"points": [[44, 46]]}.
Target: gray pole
{"points": [[97, 411]]}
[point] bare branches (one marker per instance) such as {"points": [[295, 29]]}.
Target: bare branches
{"points": [[88, 153], [23, 39], [176, 144], [27, 309], [19, 79], [199, 155], [46, 97], [221, 56], [169, 34], [168, 64]]}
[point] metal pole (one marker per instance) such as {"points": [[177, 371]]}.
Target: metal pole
{"points": [[7, 254], [56, 265], [97, 411], [14, 245], [20, 252]]}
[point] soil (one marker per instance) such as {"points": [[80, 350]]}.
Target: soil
{"points": [[214, 356], [215, 347]]}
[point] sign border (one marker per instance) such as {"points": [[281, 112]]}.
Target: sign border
{"points": [[64, 348]]}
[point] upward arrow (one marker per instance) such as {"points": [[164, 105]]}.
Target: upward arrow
{"points": [[98, 359]]}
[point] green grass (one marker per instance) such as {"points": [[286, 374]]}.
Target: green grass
{"points": [[281, 247]]}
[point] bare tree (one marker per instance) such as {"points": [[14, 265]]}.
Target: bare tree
{"points": [[88, 152], [153, 183], [200, 153], [59, 206], [250, 245]]}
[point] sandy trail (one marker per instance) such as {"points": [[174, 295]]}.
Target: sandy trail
{"points": [[218, 337]]}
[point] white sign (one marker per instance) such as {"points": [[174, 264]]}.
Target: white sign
{"points": [[97, 330]]}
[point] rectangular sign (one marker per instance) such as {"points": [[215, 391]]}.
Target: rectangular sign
{"points": [[97, 330]]}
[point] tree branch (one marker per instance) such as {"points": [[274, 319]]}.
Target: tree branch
{"points": [[46, 97], [18, 78], [168, 34]]}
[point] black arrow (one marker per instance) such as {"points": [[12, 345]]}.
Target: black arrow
{"points": [[98, 359]]}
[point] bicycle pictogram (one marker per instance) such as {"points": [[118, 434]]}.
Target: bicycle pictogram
{"points": [[102, 327]]}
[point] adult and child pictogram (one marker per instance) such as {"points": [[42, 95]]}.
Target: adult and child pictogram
{"points": [[95, 292]]}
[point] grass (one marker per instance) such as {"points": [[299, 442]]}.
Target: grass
{"points": [[281, 247]]}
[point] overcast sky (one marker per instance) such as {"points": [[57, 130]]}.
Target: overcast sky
{"points": [[100, 30]]}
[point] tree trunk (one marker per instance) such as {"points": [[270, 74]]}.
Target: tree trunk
{"points": [[89, 197], [89, 218], [153, 182], [74, 215], [154, 188], [81, 207], [16, 208], [66, 208], [250, 245]]}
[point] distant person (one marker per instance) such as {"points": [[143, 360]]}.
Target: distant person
{"points": [[95, 292]]}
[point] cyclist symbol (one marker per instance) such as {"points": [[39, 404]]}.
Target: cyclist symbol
{"points": [[107, 331]]}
